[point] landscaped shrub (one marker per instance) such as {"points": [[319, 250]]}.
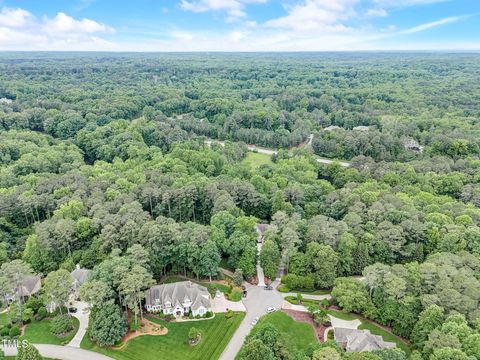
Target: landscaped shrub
{"points": [[61, 324], [34, 303], [209, 314], [296, 282], [5, 331], [14, 331], [229, 314], [41, 313]]}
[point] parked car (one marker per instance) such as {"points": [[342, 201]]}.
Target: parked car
{"points": [[268, 287], [72, 309], [271, 309], [255, 321], [218, 294]]}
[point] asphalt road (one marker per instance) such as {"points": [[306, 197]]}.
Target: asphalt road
{"points": [[256, 303]]}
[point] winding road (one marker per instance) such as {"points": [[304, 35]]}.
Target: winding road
{"points": [[268, 151]]}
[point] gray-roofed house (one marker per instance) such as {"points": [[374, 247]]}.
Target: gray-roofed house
{"points": [[361, 128], [332, 127], [80, 276], [178, 299], [30, 286], [412, 144], [354, 340]]}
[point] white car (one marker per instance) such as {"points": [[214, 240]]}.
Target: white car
{"points": [[218, 294], [254, 321], [270, 309]]}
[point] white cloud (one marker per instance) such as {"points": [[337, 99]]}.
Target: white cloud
{"points": [[234, 8], [14, 17], [316, 15], [432, 24], [405, 3], [377, 12], [20, 30]]}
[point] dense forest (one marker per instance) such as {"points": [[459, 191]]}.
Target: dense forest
{"points": [[103, 163]]}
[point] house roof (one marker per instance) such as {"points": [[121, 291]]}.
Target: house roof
{"points": [[355, 340], [262, 227], [80, 275], [31, 285], [332, 127], [178, 293], [361, 128]]}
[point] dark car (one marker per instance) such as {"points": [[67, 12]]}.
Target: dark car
{"points": [[268, 287], [72, 309]]}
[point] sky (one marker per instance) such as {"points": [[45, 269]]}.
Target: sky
{"points": [[239, 25]]}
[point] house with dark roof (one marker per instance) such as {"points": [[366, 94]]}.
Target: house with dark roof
{"points": [[178, 299], [354, 340]]}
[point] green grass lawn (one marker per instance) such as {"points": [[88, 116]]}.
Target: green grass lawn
{"points": [[305, 302], [3, 318], [296, 335], [254, 160], [39, 332], [216, 333], [374, 329]]}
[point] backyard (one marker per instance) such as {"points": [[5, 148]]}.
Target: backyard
{"points": [[215, 334], [295, 334], [38, 332]]}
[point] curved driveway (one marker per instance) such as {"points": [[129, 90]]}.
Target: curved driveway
{"points": [[267, 151], [256, 303], [60, 352]]}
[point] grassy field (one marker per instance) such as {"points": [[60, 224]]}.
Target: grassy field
{"points": [[39, 332], [3, 318], [374, 329], [254, 160], [295, 334], [216, 333]]}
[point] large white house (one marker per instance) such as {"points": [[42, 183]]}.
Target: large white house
{"points": [[178, 299]]}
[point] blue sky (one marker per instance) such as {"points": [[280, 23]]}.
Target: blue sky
{"points": [[239, 25]]}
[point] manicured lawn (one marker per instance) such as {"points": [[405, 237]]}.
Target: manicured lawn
{"points": [[374, 329], [295, 334], [254, 160], [216, 333], [3, 318], [305, 302], [39, 332]]}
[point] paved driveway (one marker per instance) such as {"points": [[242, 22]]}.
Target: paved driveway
{"points": [[221, 304], [347, 324], [60, 352], [260, 274], [256, 303], [82, 315], [309, 296]]}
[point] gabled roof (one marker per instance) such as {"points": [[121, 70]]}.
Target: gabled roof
{"points": [[355, 340], [179, 293], [30, 286], [80, 275]]}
